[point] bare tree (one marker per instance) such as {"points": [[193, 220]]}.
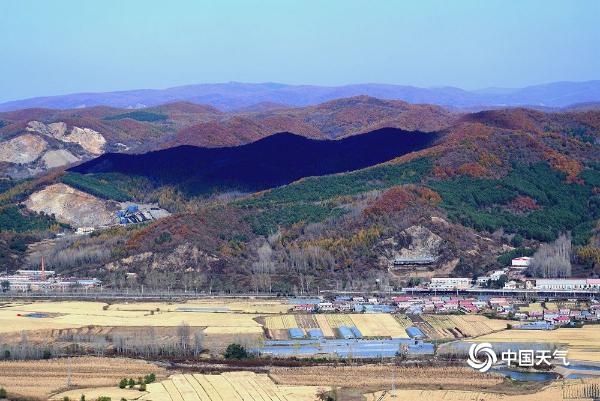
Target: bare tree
{"points": [[183, 334], [263, 269], [554, 259]]}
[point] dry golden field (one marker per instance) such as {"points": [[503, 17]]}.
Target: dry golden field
{"points": [[256, 306], [92, 394], [230, 386], [582, 343], [553, 392], [375, 377], [40, 379], [379, 325], [458, 326], [62, 315]]}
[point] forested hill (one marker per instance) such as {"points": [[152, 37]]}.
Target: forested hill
{"points": [[270, 162]]}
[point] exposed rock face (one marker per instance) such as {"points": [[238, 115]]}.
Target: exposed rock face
{"points": [[415, 242], [57, 158], [423, 243], [185, 257], [71, 206], [418, 251], [22, 149], [90, 140], [53, 130]]}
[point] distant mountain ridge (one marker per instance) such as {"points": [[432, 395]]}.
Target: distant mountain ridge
{"points": [[239, 96]]}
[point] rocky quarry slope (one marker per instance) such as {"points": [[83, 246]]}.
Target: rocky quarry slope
{"points": [[45, 146], [71, 206]]}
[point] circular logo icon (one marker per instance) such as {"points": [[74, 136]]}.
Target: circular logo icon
{"points": [[482, 357]]}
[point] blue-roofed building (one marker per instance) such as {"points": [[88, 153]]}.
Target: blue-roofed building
{"points": [[132, 209], [371, 308], [537, 326], [304, 301], [356, 332], [345, 332], [296, 333], [414, 332], [315, 333]]}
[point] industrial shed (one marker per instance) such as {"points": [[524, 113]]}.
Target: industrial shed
{"points": [[414, 332], [345, 332], [315, 333], [296, 333]]}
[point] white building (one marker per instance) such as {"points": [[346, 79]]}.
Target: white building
{"points": [[495, 276], [482, 281], [560, 284], [450, 283], [521, 263], [35, 273]]}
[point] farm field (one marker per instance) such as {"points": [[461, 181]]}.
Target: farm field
{"points": [[256, 306], [376, 377], [439, 327], [583, 343], [43, 378], [63, 315], [369, 324], [553, 392], [230, 386]]}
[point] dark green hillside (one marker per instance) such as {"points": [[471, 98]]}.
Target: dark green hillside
{"points": [[113, 186], [311, 200], [475, 202], [481, 203], [143, 116], [14, 219]]}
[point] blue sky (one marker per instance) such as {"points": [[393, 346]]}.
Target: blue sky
{"points": [[56, 47]]}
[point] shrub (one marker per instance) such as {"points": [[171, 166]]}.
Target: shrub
{"points": [[103, 398], [236, 351], [142, 387], [2, 392], [150, 378], [131, 383], [165, 236], [123, 383], [517, 240]]}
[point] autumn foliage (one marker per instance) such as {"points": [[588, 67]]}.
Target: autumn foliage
{"points": [[523, 204], [560, 162], [399, 198]]}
